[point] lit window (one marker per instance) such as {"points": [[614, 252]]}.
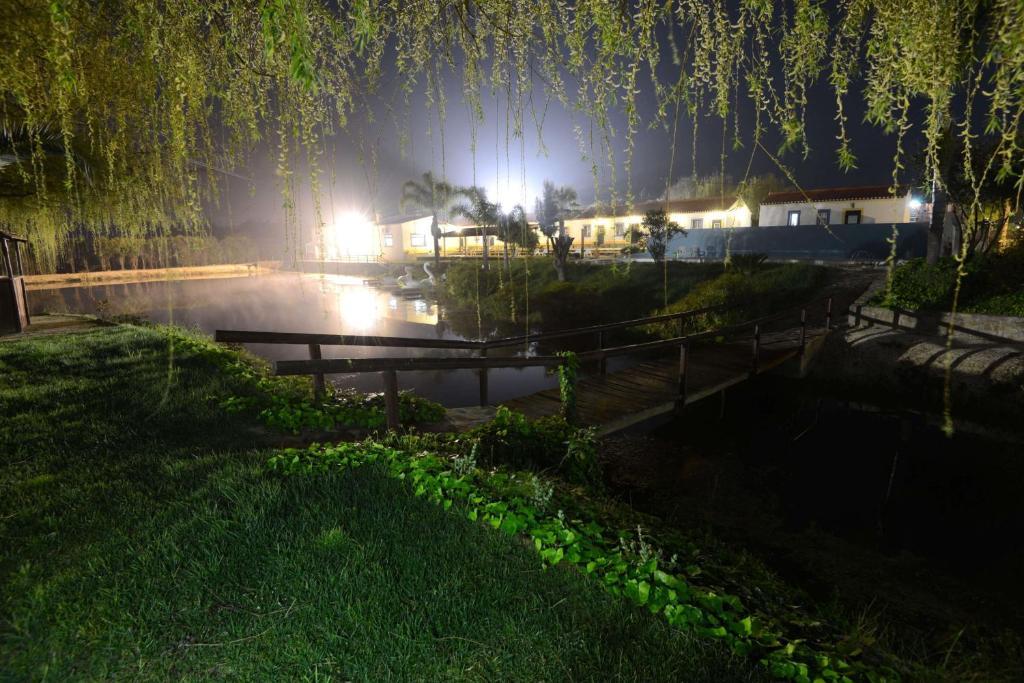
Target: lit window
{"points": [[417, 240], [696, 223], [824, 216], [620, 229], [793, 218], [388, 239], [585, 231], [717, 223]]}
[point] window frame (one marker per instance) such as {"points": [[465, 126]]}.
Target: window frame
{"points": [[859, 213], [417, 239], [827, 214], [716, 224], [585, 230], [790, 215], [696, 224]]}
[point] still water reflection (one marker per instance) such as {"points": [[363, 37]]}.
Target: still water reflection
{"points": [[296, 302]]}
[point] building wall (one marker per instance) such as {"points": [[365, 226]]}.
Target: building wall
{"points": [[887, 210], [616, 228]]}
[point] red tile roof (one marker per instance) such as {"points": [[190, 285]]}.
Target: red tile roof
{"points": [[699, 205], [834, 194]]}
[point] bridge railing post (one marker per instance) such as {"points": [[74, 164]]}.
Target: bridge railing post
{"points": [[319, 385], [828, 314], [757, 347], [483, 379], [803, 330], [684, 361], [391, 405], [602, 363]]}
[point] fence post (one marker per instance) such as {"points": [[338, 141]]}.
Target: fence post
{"points": [[319, 386], [757, 346], [17, 258], [828, 314], [603, 362], [483, 379], [682, 324], [6, 258], [391, 399], [684, 361], [803, 330]]}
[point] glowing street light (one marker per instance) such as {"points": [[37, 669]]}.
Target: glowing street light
{"points": [[351, 234]]}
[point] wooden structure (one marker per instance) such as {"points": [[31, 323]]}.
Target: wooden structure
{"points": [[702, 364], [14, 316]]}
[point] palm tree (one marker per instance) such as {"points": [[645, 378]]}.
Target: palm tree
{"points": [[477, 209], [430, 195]]}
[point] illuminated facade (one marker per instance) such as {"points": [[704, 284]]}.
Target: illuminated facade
{"points": [[597, 232], [841, 205]]}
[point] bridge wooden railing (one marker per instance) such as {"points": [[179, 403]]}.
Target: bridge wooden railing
{"points": [[315, 342], [318, 367]]}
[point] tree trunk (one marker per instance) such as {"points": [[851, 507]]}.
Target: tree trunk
{"points": [[508, 264], [435, 232], [487, 251], [562, 245], [935, 227]]}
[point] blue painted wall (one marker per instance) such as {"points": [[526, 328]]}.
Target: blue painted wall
{"points": [[807, 242]]}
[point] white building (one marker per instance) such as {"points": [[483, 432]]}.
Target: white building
{"points": [[840, 205], [594, 230]]}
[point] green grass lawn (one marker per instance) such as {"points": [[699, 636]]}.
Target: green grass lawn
{"points": [[142, 539]]}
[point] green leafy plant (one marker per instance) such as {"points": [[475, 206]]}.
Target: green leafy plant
{"points": [[745, 263], [625, 564], [568, 373]]}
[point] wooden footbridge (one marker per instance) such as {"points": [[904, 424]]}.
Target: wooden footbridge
{"points": [[664, 375]]}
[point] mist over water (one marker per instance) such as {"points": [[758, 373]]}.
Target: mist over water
{"points": [[297, 302]]}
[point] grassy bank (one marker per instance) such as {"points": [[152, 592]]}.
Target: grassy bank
{"points": [[993, 284], [493, 303], [143, 539]]}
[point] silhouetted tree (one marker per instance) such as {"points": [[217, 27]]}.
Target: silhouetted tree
{"points": [[430, 195], [482, 212]]}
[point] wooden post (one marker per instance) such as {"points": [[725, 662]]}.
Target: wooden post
{"points": [[391, 399], [757, 346], [319, 386], [5, 251], [603, 362], [684, 361], [803, 330], [857, 315], [17, 257], [483, 379], [682, 323], [828, 314]]}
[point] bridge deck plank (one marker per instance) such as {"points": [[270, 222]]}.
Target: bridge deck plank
{"points": [[649, 388]]}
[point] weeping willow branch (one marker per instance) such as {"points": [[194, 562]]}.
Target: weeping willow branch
{"points": [[120, 103]]}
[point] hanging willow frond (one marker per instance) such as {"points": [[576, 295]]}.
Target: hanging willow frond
{"points": [[124, 104]]}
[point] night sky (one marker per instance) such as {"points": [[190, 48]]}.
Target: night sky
{"points": [[500, 158]]}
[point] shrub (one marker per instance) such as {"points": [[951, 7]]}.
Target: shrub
{"points": [[548, 443], [917, 285], [993, 283], [745, 263]]}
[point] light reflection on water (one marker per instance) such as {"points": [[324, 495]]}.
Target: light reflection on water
{"points": [[295, 302]]}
